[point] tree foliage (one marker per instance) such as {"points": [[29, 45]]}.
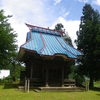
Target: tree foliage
{"points": [[15, 71], [60, 27], [67, 39], [88, 40], [7, 40]]}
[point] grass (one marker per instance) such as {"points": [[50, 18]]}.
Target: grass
{"points": [[97, 84], [9, 92]]}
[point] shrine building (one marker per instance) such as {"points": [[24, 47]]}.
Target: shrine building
{"points": [[46, 56]]}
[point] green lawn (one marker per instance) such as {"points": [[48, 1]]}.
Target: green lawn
{"points": [[8, 92], [97, 84]]}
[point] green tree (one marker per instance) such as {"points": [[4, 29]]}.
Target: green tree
{"points": [[14, 62], [15, 66], [59, 27], [67, 38], [7, 40], [15, 71], [88, 41]]}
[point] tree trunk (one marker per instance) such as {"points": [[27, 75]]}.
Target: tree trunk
{"points": [[14, 71], [91, 85]]}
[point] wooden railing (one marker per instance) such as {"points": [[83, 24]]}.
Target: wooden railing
{"points": [[69, 82], [39, 82]]}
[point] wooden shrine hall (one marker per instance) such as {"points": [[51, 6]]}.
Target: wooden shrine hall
{"points": [[46, 56]]}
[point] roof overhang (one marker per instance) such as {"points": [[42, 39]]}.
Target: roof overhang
{"points": [[22, 55], [63, 56], [40, 45]]}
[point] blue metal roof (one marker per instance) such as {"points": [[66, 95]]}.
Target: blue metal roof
{"points": [[48, 43], [35, 43], [54, 47], [47, 31], [68, 47]]}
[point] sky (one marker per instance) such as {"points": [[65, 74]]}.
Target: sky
{"points": [[45, 13]]}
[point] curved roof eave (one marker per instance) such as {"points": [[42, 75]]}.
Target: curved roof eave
{"points": [[44, 45]]}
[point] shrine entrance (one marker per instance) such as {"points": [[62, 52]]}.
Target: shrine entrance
{"points": [[54, 78]]}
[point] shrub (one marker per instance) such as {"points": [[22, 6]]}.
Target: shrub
{"points": [[79, 80], [0, 81], [8, 79]]}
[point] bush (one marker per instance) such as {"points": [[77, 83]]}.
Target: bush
{"points": [[71, 76], [79, 80], [7, 79], [0, 81]]}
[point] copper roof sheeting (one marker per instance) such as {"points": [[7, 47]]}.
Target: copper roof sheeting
{"points": [[48, 43]]}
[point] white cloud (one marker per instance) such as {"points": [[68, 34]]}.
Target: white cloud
{"points": [[70, 26], [33, 12], [57, 1], [24, 11], [97, 2], [66, 14], [85, 1]]}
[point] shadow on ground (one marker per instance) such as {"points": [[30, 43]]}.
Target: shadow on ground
{"points": [[98, 94], [95, 89], [10, 86]]}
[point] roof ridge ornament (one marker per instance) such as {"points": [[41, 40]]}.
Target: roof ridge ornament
{"points": [[44, 30]]}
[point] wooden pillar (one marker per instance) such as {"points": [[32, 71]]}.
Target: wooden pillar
{"points": [[31, 72], [42, 72], [25, 84], [86, 84], [66, 76], [62, 76], [28, 85], [47, 75]]}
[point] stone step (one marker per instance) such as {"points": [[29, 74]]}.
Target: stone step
{"points": [[21, 87], [62, 89], [37, 90]]}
